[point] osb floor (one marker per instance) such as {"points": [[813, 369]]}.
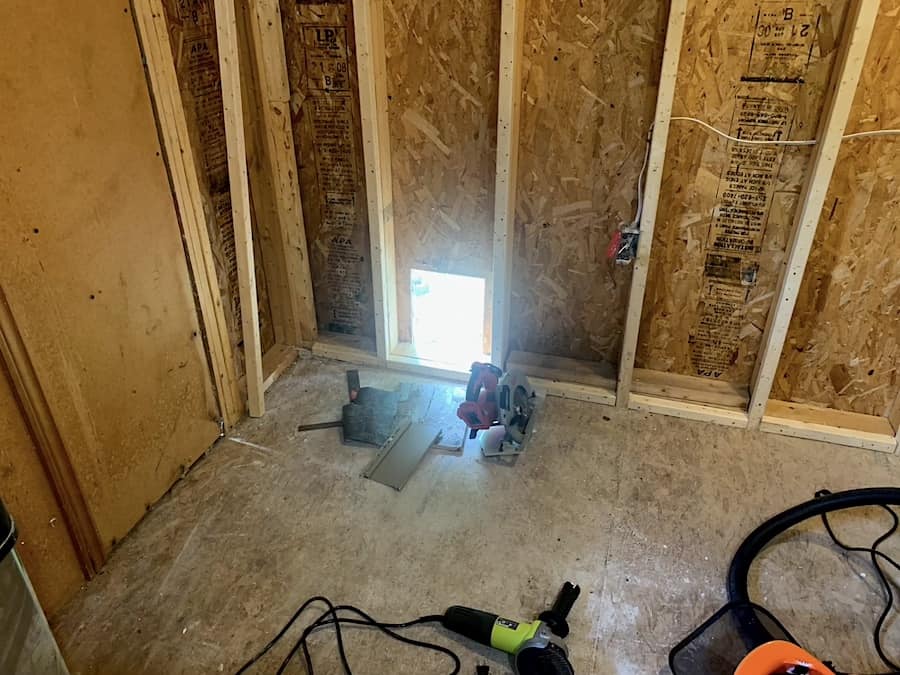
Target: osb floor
{"points": [[643, 511]]}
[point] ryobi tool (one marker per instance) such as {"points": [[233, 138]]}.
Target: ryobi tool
{"points": [[535, 648], [502, 405]]}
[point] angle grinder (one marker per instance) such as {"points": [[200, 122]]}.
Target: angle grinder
{"points": [[535, 648]]}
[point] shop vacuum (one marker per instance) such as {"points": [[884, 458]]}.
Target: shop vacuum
{"points": [[743, 638]]}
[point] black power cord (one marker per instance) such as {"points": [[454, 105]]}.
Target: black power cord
{"points": [[331, 617], [875, 555]]}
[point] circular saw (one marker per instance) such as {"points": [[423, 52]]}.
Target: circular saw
{"points": [[500, 404]]}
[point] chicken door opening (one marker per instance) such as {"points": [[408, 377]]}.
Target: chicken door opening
{"points": [[448, 317]]}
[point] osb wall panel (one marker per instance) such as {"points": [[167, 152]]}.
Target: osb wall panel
{"points": [[590, 77], [442, 62], [91, 257], [192, 32], [757, 70], [843, 346], [321, 59], [44, 543]]}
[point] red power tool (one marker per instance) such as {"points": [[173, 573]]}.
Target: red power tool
{"points": [[500, 403]]}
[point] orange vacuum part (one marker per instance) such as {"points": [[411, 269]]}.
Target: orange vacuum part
{"points": [[780, 657]]}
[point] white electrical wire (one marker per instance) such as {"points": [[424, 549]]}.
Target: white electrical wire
{"points": [[640, 192], [634, 226], [868, 134], [745, 141]]}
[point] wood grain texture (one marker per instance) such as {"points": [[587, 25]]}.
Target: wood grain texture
{"points": [[326, 125], [296, 307], [689, 317], [649, 193], [690, 388], [192, 34], [442, 60], [834, 426], [371, 67], [153, 32], [239, 183], [590, 77], [509, 117], [49, 443], [843, 345], [92, 263], [44, 543]]}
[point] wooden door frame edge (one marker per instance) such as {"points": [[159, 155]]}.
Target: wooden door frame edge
{"points": [[52, 451]]}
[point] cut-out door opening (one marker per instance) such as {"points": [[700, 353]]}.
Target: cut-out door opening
{"points": [[447, 318]]}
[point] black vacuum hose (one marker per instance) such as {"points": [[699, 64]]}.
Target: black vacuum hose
{"points": [[754, 631], [760, 537]]}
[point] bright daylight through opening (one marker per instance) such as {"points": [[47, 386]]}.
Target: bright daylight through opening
{"points": [[448, 317]]}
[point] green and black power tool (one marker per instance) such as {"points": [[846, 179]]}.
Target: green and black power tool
{"points": [[535, 648]]}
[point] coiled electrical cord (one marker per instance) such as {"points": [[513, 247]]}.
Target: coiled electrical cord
{"points": [[824, 503], [332, 618]]}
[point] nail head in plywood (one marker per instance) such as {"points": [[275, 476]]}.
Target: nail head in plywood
{"points": [[93, 265]]}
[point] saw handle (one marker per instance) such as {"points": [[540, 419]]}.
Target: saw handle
{"points": [[471, 623], [482, 376]]}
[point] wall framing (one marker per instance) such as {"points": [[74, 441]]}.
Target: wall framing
{"points": [[268, 46], [512, 19], [293, 307], [229, 62], [837, 111], [154, 37], [655, 391]]}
